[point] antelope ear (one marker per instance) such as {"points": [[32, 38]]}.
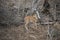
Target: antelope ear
{"points": [[34, 15]]}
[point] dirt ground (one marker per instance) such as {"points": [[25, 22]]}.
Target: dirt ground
{"points": [[20, 33]]}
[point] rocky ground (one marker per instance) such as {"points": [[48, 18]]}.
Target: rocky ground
{"points": [[19, 33]]}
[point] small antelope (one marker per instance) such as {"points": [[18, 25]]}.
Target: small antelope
{"points": [[29, 19]]}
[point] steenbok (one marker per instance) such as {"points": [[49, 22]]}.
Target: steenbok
{"points": [[29, 19]]}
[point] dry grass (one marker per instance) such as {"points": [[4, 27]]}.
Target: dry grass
{"points": [[19, 33]]}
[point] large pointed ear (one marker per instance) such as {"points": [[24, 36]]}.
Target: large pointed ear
{"points": [[34, 15]]}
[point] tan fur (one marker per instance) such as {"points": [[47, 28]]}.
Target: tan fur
{"points": [[29, 19]]}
